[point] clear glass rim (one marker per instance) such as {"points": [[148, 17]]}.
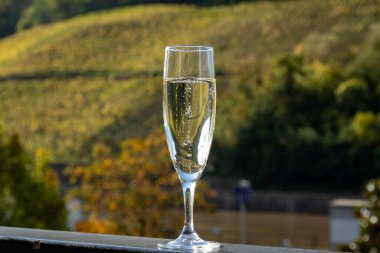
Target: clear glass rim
{"points": [[189, 48]]}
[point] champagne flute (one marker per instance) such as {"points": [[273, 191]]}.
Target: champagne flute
{"points": [[189, 102]]}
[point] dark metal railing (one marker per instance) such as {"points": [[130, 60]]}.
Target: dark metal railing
{"points": [[39, 241]]}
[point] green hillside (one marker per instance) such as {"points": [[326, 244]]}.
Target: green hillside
{"points": [[96, 78]]}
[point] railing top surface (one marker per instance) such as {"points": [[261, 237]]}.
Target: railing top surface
{"points": [[31, 240]]}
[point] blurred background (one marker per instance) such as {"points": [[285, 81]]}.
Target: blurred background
{"points": [[296, 149]]}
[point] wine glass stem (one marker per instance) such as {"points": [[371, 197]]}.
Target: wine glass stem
{"points": [[188, 189]]}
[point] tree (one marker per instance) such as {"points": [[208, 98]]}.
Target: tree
{"points": [[353, 95], [290, 121], [135, 193], [29, 193], [37, 12], [369, 215], [46, 11], [366, 62], [317, 124], [10, 11]]}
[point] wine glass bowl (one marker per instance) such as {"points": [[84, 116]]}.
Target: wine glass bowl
{"points": [[189, 115], [189, 105]]}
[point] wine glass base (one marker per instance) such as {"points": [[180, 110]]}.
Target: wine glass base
{"points": [[190, 243]]}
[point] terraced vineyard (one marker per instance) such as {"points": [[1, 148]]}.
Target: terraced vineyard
{"points": [[96, 78]]}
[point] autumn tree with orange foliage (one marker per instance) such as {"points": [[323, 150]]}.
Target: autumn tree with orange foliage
{"points": [[136, 193]]}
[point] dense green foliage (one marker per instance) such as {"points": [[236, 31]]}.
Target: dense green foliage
{"points": [[10, 12], [17, 15], [29, 194], [96, 78], [313, 125], [369, 215], [46, 11]]}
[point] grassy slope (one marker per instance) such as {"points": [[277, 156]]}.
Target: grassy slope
{"points": [[96, 77]]}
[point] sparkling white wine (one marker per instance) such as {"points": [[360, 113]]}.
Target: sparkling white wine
{"points": [[189, 115]]}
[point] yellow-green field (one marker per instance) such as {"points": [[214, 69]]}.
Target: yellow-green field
{"points": [[97, 77]]}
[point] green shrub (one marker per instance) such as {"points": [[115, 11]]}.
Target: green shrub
{"points": [[29, 194]]}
